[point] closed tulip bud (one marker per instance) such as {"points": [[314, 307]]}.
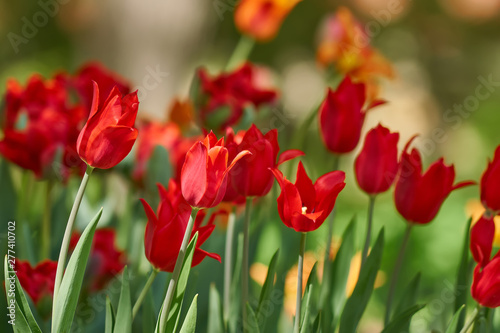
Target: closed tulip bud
{"points": [[490, 184], [486, 284], [304, 206], [481, 240], [204, 174], [109, 134], [419, 196], [377, 164]]}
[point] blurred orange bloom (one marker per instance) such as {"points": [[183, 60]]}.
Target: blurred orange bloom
{"points": [[475, 209], [261, 19], [344, 44], [258, 273], [181, 113]]}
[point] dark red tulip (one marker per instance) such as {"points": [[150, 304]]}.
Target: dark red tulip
{"points": [[40, 128], [228, 94], [165, 230], [105, 262], [419, 196], [490, 184], [481, 240], [342, 114], [205, 172], [486, 283], [252, 177], [304, 206], [38, 281], [109, 134], [377, 164]]}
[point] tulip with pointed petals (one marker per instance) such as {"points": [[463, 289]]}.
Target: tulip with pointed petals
{"points": [[304, 206], [205, 171], [481, 240], [342, 114], [486, 283], [109, 134], [165, 230], [490, 184], [377, 164], [419, 196]]}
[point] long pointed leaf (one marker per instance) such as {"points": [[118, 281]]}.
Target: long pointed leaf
{"points": [[267, 288], [453, 325], [110, 317], [189, 325], [401, 322], [71, 284], [215, 321], [124, 311], [251, 326], [463, 279], [306, 320]]}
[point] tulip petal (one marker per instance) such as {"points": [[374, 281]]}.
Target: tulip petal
{"points": [[288, 155], [110, 146], [481, 240], [194, 174]]}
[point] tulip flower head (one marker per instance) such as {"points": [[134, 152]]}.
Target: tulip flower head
{"points": [[252, 177], [341, 116], [490, 185], [38, 281], [482, 235], [304, 206], [419, 196], [109, 134], [262, 19], [204, 174], [486, 283], [377, 164], [165, 230]]}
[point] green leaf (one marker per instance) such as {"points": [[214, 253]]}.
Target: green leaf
{"points": [[159, 168], [124, 311], [234, 312], [339, 274], [110, 317], [251, 326], [356, 304], [148, 314], [453, 325], [215, 321], [463, 279], [306, 310], [175, 309], [267, 288], [401, 322], [189, 325], [25, 308], [67, 298], [8, 196], [408, 300], [316, 327]]}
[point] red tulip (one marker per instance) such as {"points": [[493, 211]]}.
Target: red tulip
{"points": [[232, 93], [486, 283], [105, 262], [40, 128], [481, 240], [165, 231], [109, 134], [251, 176], [205, 172], [419, 196], [38, 281], [490, 184], [377, 164], [341, 116], [304, 206]]}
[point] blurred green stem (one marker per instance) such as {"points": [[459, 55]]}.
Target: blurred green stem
{"points": [[371, 206], [167, 303], [241, 52], [144, 291], [296, 325], [23, 198], [61, 263], [395, 273], [472, 318], [228, 260], [244, 269], [47, 216]]}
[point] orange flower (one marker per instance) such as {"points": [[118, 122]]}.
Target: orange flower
{"points": [[261, 19], [181, 113], [345, 45]]}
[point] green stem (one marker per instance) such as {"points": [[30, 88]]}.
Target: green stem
{"points": [[61, 263], [296, 325], [371, 206], [228, 260], [395, 273], [241, 52], [144, 291], [47, 216], [24, 197], [167, 303], [472, 318], [244, 268]]}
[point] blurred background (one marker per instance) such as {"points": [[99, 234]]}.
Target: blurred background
{"points": [[446, 56]]}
